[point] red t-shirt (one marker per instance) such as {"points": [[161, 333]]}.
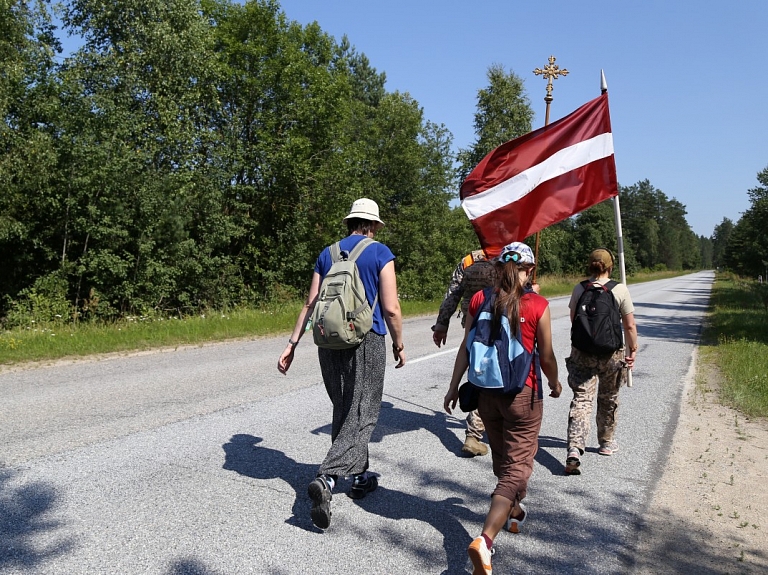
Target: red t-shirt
{"points": [[532, 307]]}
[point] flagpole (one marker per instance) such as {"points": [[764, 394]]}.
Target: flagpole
{"points": [[550, 72], [619, 235]]}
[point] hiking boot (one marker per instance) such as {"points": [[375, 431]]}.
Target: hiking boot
{"points": [[474, 447], [480, 557], [363, 485], [608, 448], [320, 494], [572, 462], [513, 525]]}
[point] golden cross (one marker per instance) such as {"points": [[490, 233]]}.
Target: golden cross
{"points": [[551, 72]]}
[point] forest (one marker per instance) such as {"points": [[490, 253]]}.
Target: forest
{"points": [[198, 154]]}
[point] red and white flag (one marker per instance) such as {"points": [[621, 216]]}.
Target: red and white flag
{"points": [[541, 178]]}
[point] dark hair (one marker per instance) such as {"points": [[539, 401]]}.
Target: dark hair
{"points": [[509, 291], [361, 225], [596, 269]]}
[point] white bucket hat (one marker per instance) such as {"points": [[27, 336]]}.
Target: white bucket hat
{"points": [[364, 209]]}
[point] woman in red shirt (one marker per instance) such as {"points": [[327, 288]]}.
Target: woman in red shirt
{"points": [[512, 421]]}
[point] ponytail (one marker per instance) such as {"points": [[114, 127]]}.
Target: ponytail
{"points": [[509, 291]]}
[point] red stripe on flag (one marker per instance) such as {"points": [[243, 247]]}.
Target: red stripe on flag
{"points": [[552, 200]]}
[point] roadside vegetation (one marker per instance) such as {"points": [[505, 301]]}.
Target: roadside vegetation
{"points": [[737, 338], [38, 339]]}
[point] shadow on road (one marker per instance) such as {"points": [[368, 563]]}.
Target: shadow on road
{"points": [[189, 567], [393, 420], [23, 512], [244, 456]]}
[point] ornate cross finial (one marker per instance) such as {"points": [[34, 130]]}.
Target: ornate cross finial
{"points": [[551, 72]]}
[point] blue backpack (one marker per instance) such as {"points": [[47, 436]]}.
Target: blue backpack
{"points": [[498, 361]]}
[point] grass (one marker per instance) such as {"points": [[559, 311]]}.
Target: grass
{"points": [[738, 336], [37, 342]]}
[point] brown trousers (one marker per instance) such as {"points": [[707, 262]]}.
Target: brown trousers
{"points": [[512, 424]]}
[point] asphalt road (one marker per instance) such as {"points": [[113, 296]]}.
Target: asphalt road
{"points": [[196, 461]]}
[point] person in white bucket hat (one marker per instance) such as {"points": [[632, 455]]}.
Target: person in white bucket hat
{"points": [[365, 209], [353, 377]]}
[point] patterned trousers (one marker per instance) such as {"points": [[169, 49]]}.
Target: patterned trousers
{"points": [[475, 427], [354, 380], [585, 373]]}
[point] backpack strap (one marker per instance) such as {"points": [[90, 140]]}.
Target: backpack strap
{"points": [[358, 249], [608, 286], [335, 251]]}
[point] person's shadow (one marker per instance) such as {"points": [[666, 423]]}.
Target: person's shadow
{"points": [[442, 515], [244, 456], [548, 461], [393, 420]]}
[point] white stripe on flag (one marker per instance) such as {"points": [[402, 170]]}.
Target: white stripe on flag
{"points": [[522, 184]]}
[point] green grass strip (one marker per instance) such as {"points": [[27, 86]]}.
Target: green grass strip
{"points": [[37, 342], [738, 334]]}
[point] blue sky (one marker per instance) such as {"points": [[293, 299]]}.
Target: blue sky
{"points": [[687, 81]]}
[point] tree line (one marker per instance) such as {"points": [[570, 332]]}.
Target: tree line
{"points": [[196, 154]]}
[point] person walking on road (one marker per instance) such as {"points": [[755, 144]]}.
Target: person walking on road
{"points": [[512, 421], [604, 373], [354, 377], [474, 272]]}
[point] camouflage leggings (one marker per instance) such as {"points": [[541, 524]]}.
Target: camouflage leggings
{"points": [[585, 372]]}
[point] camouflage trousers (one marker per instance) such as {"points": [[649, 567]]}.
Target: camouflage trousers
{"points": [[585, 374], [475, 426]]}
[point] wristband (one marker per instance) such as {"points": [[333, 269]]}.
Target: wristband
{"points": [[398, 349], [292, 343]]}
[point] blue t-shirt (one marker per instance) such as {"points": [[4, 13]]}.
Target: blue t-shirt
{"points": [[369, 265]]}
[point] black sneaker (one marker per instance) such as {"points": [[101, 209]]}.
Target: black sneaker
{"points": [[363, 485], [321, 496]]}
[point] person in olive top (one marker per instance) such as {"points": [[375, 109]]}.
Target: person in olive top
{"points": [[588, 374]]}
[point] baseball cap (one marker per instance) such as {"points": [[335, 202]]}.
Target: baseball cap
{"points": [[601, 255]]}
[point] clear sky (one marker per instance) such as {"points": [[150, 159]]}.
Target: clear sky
{"points": [[687, 81]]}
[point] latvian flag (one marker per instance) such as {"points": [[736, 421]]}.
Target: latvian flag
{"points": [[541, 178]]}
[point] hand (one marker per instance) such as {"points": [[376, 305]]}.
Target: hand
{"points": [[439, 336], [630, 359], [451, 398], [286, 358], [399, 357], [556, 389], [536, 288]]}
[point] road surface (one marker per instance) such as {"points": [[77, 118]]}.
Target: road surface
{"points": [[196, 461]]}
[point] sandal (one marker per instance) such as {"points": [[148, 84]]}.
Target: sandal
{"points": [[513, 525]]}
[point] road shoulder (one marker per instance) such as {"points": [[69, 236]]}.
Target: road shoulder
{"points": [[709, 512]]}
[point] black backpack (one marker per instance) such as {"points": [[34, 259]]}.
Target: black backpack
{"points": [[597, 327]]}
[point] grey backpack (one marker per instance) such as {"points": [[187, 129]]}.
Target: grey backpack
{"points": [[342, 316]]}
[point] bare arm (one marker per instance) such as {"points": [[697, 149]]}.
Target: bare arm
{"points": [[547, 354], [630, 339], [286, 358], [390, 306]]}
